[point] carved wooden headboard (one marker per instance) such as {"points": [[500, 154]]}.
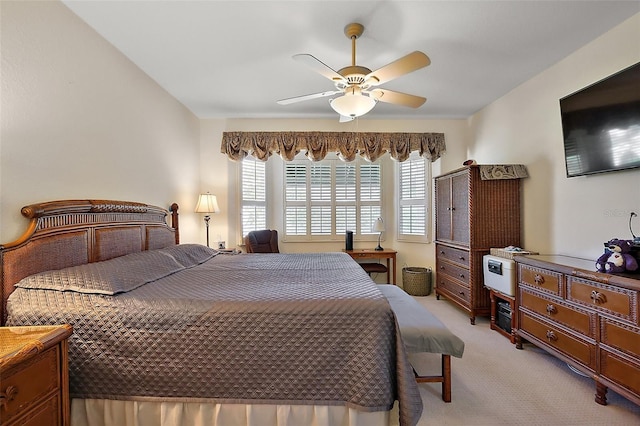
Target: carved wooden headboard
{"points": [[68, 233]]}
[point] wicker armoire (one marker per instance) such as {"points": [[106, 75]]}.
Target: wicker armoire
{"points": [[473, 214]]}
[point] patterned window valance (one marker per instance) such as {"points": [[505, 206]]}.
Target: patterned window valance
{"points": [[317, 145]]}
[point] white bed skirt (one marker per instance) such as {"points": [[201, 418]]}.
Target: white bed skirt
{"points": [[103, 412]]}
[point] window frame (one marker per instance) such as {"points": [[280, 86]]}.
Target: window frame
{"points": [[308, 203], [242, 202], [426, 201]]}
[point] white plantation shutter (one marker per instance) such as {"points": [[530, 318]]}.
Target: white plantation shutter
{"points": [[370, 196], [253, 195], [326, 198], [413, 175]]}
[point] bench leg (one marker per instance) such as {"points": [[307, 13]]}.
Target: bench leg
{"points": [[445, 378]]}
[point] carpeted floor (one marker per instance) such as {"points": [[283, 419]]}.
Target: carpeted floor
{"points": [[496, 384]]}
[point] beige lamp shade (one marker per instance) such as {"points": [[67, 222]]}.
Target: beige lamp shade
{"points": [[378, 225], [207, 203]]}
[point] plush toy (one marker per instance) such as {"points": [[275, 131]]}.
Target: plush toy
{"points": [[616, 257]]}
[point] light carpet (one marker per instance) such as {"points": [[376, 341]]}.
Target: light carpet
{"points": [[496, 384]]}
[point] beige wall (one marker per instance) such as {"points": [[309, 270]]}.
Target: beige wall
{"points": [[79, 120], [571, 216]]}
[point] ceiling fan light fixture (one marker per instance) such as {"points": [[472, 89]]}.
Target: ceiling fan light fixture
{"points": [[352, 104]]}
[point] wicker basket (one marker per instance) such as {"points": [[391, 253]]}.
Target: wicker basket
{"points": [[416, 281]]}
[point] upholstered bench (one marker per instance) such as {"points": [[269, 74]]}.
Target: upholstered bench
{"points": [[421, 331]]}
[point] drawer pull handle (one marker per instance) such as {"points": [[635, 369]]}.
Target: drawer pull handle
{"points": [[461, 257], [551, 309], [461, 275], [441, 251], [539, 279], [598, 298], [461, 293], [551, 336], [8, 395], [441, 267]]}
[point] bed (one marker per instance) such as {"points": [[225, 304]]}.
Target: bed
{"points": [[168, 333]]}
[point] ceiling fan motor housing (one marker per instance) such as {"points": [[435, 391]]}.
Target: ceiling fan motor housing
{"points": [[354, 75]]}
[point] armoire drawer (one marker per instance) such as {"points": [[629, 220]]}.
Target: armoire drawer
{"points": [[540, 278], [455, 255], [620, 336], [456, 290], [557, 337], [559, 311], [617, 301], [453, 271]]}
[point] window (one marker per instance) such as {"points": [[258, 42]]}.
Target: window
{"points": [[413, 199], [253, 197], [326, 198]]}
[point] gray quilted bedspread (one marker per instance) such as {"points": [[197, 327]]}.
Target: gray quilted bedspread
{"points": [[259, 328]]}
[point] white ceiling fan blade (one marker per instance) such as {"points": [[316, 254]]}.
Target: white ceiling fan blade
{"points": [[409, 63], [345, 119], [397, 98], [318, 66], [308, 97]]}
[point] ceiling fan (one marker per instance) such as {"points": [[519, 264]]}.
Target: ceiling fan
{"points": [[357, 85]]}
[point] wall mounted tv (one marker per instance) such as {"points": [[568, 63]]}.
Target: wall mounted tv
{"points": [[601, 125]]}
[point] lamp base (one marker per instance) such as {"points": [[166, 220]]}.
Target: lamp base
{"points": [[206, 222], [379, 248]]}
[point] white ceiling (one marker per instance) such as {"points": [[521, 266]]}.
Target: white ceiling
{"points": [[232, 59]]}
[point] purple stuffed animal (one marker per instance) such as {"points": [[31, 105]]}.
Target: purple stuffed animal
{"points": [[616, 257]]}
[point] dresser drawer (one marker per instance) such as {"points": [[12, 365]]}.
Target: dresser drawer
{"points": [[455, 255], [453, 271], [559, 311], [560, 339], [30, 382], [45, 414], [455, 289], [541, 279], [620, 336], [620, 369], [617, 301]]}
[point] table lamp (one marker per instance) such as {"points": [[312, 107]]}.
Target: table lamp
{"points": [[378, 226], [207, 203]]}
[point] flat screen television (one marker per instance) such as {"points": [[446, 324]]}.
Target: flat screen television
{"points": [[601, 125]]}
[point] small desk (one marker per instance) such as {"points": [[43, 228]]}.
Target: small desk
{"points": [[390, 255]]}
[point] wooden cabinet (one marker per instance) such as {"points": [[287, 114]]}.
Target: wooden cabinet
{"points": [[498, 297], [586, 318], [472, 216], [34, 378]]}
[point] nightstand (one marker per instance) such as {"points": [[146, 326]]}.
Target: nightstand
{"points": [[34, 375], [503, 315]]}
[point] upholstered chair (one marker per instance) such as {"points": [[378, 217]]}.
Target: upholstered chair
{"points": [[264, 241]]}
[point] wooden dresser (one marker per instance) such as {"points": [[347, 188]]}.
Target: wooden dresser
{"points": [[588, 319], [472, 216], [34, 376]]}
